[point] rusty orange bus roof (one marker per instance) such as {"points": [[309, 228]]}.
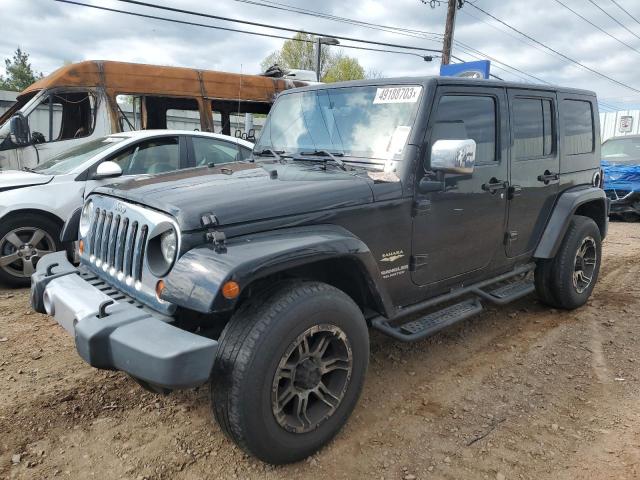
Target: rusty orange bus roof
{"points": [[134, 78]]}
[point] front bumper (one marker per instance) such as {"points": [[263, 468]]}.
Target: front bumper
{"points": [[117, 334]]}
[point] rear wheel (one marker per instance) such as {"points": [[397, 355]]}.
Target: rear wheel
{"points": [[577, 264], [290, 367], [23, 241]]}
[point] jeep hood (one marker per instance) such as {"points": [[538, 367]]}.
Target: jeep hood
{"points": [[245, 192], [10, 179]]}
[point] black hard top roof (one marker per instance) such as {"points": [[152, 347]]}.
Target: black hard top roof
{"points": [[437, 80]]}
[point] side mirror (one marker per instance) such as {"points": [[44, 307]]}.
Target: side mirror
{"points": [[19, 130], [453, 156], [107, 169]]}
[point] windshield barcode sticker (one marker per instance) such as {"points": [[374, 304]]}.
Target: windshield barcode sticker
{"points": [[397, 95]]}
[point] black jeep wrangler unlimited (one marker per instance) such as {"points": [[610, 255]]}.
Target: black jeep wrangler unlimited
{"points": [[400, 205]]}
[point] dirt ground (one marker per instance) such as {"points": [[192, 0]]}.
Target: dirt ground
{"points": [[517, 392]]}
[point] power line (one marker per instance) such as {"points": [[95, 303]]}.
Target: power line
{"points": [[215, 27], [326, 16], [613, 18], [625, 11], [599, 28], [273, 27], [557, 52], [398, 31]]}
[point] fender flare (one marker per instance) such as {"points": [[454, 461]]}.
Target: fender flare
{"points": [[566, 206], [198, 276]]}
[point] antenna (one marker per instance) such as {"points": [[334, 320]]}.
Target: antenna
{"points": [[239, 100]]}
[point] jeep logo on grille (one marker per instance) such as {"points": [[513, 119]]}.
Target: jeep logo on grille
{"points": [[120, 207]]}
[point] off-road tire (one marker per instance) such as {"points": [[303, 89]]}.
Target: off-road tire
{"points": [[250, 349], [564, 291], [29, 220]]}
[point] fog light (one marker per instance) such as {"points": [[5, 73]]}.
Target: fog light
{"points": [[230, 290], [159, 288]]}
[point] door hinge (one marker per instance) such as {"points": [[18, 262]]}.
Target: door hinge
{"points": [[421, 207], [416, 262], [510, 236]]}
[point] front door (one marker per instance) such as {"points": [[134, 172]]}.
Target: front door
{"points": [[460, 229], [535, 168]]}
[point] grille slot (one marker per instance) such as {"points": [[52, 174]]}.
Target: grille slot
{"points": [[118, 244]]}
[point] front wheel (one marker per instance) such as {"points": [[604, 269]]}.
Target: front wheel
{"points": [[23, 241], [290, 368]]}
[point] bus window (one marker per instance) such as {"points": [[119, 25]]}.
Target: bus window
{"points": [[239, 119], [129, 114], [173, 113]]}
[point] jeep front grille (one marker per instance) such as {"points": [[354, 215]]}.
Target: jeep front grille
{"points": [[117, 244], [115, 247]]}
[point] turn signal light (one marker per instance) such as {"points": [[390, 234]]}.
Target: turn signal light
{"points": [[230, 290], [81, 247], [159, 288]]}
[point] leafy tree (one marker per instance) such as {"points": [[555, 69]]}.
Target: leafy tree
{"points": [[344, 68], [300, 54], [19, 72]]}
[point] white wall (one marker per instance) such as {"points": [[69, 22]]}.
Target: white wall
{"points": [[610, 123]]}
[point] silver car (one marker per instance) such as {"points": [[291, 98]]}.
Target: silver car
{"points": [[35, 203]]}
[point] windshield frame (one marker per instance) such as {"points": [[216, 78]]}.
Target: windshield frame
{"points": [[346, 156]]}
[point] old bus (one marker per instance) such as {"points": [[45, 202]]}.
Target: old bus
{"points": [[87, 100]]}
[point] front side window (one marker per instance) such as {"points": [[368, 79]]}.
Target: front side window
{"points": [[62, 116], [366, 122], [577, 120], [462, 117], [211, 151], [533, 129], [152, 156]]}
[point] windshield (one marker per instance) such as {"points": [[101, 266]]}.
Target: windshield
{"points": [[67, 161], [622, 150], [367, 122]]}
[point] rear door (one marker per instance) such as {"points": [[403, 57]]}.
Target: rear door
{"points": [[461, 228], [535, 167]]}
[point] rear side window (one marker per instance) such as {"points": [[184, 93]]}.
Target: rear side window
{"points": [[461, 117], [577, 120], [533, 128], [213, 151]]}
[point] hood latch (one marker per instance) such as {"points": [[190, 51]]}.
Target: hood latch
{"points": [[216, 238]]}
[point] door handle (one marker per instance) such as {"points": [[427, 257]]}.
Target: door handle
{"points": [[494, 185], [547, 177]]}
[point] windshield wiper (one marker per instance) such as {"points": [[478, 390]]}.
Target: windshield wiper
{"points": [[271, 153], [326, 153], [30, 170]]}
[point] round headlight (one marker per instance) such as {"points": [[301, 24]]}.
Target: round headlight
{"points": [[168, 245], [85, 218]]}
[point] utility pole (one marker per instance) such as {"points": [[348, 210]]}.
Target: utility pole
{"points": [[448, 32]]}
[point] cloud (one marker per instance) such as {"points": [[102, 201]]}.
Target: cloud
{"points": [[53, 33]]}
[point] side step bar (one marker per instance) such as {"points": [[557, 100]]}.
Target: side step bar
{"points": [[507, 291]]}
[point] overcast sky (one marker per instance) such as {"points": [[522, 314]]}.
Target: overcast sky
{"points": [[53, 33]]}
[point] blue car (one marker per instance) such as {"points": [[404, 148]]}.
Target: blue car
{"points": [[621, 166]]}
